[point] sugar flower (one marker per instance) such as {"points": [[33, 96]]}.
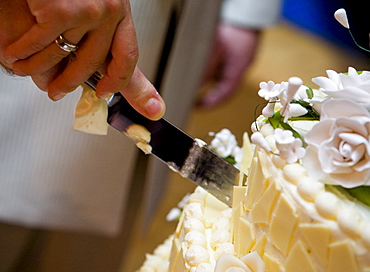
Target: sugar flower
{"points": [[290, 148], [341, 16], [353, 85], [223, 143], [338, 149], [270, 90], [288, 110], [248, 263], [258, 139], [269, 110]]}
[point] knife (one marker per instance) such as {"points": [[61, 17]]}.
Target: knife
{"points": [[181, 152]]}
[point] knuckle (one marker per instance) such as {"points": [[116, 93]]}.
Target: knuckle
{"points": [[36, 46], [93, 12], [55, 57], [92, 67], [114, 6], [132, 55]]}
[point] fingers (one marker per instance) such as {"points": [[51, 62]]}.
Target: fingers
{"points": [[90, 57], [40, 62], [124, 56], [143, 97]]}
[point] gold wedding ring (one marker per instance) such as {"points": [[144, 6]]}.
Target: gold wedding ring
{"points": [[65, 45]]}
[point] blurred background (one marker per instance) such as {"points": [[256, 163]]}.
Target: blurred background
{"points": [[306, 43]]}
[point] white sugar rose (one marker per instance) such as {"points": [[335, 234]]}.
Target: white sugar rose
{"points": [[338, 149], [251, 262], [353, 85]]}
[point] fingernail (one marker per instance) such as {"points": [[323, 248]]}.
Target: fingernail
{"points": [[154, 108], [106, 95], [9, 61], [58, 96], [19, 72]]}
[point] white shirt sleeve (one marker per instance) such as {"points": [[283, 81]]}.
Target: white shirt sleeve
{"points": [[251, 13]]}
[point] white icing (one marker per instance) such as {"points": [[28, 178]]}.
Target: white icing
{"points": [[294, 172], [219, 237], [163, 251], [91, 113], [193, 224], [141, 137], [309, 188], [221, 224], [365, 235], [152, 261], [223, 249], [147, 269], [350, 222], [194, 210], [227, 213], [196, 255], [195, 238], [327, 205], [200, 142], [164, 266], [205, 267]]}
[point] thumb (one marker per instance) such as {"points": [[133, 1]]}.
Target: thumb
{"points": [[143, 97]]}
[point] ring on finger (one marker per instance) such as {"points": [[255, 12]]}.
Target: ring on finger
{"points": [[65, 45]]}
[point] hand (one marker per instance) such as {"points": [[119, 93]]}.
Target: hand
{"points": [[233, 52], [104, 33]]}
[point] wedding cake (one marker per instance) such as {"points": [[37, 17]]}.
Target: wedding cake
{"points": [[304, 205]]}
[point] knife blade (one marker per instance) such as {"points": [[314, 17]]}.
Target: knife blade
{"points": [[181, 152]]}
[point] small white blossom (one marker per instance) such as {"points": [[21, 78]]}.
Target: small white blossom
{"points": [[224, 143], [270, 90], [290, 148], [238, 156], [283, 137]]}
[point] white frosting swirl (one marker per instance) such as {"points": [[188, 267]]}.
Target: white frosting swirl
{"points": [[223, 249], [220, 237], [327, 205], [195, 238], [365, 235], [294, 172], [222, 223], [204, 267], [194, 210], [309, 188], [152, 261], [350, 222], [196, 255], [193, 224]]}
